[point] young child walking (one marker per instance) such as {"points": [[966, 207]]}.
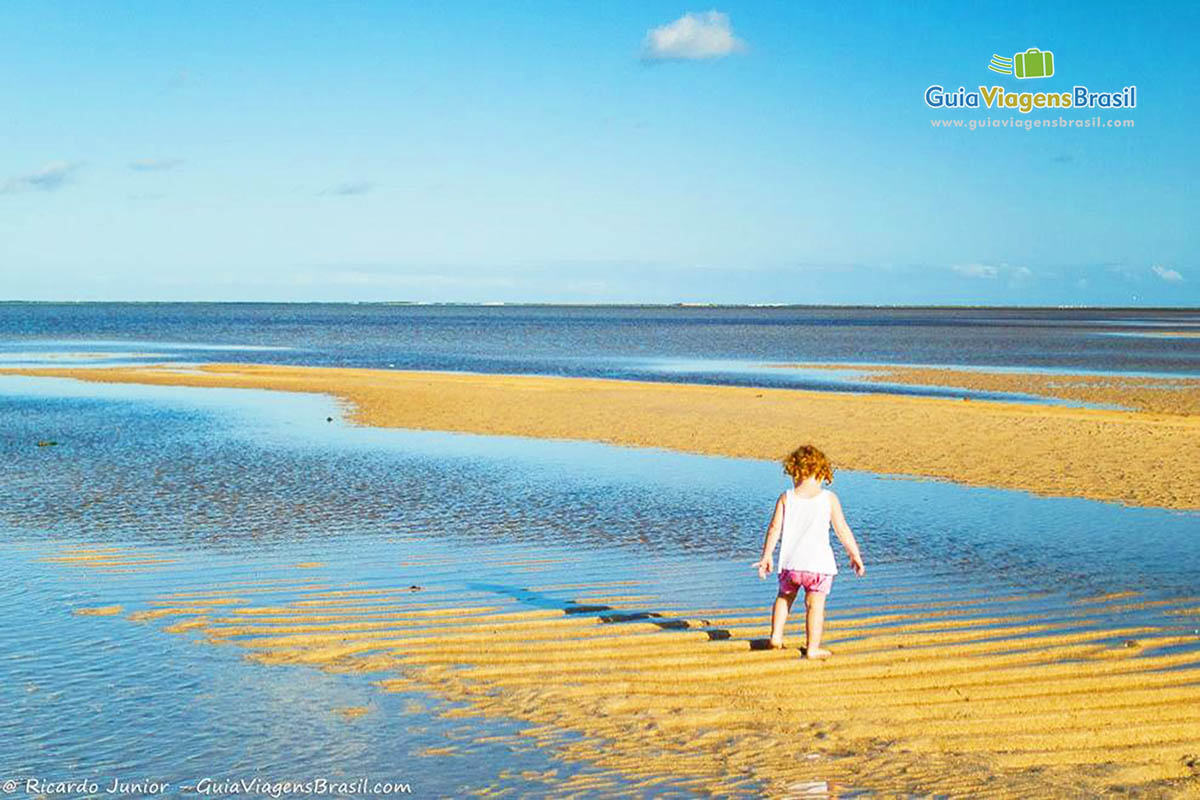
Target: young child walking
{"points": [[803, 516]]}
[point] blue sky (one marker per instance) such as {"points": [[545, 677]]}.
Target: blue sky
{"points": [[771, 153]]}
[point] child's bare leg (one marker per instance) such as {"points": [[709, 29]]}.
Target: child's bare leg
{"points": [[779, 613], [814, 624]]}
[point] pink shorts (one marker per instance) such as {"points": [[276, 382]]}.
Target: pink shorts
{"points": [[792, 580]]}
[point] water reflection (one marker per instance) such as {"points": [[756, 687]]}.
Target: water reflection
{"points": [[240, 468], [236, 487]]}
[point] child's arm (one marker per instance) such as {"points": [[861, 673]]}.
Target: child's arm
{"points": [[846, 536], [764, 564]]}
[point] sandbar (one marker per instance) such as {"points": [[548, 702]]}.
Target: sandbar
{"points": [[1132, 456], [1165, 395]]}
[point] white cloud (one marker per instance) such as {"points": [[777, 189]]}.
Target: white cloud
{"points": [[1015, 275], [350, 188], [1125, 271], [179, 77], [976, 270], [154, 164], [1167, 274], [693, 36], [368, 275], [50, 177]]}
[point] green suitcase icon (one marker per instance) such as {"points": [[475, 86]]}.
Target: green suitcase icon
{"points": [[1033, 63]]}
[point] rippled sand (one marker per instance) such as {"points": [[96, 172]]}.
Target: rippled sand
{"points": [[1136, 457], [935, 697]]}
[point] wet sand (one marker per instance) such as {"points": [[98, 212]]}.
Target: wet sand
{"points": [[1190, 334], [1146, 457], [1180, 396], [924, 695]]}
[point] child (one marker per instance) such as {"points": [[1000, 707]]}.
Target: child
{"points": [[803, 516]]}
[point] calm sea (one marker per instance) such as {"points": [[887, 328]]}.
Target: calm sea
{"points": [[716, 345]]}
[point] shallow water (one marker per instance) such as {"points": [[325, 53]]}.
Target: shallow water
{"points": [[228, 468], [236, 487]]}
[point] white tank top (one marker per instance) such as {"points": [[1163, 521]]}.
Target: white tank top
{"points": [[806, 533]]}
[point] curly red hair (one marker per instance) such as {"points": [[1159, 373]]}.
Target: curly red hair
{"points": [[807, 461]]}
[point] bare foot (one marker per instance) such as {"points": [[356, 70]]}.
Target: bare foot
{"points": [[817, 653], [775, 645]]}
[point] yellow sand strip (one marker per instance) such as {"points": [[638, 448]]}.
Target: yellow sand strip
{"points": [[1061, 451], [1161, 395], [99, 611]]}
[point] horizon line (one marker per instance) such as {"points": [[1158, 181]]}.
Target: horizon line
{"points": [[615, 304]]}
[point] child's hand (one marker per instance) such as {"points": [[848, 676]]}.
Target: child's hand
{"points": [[860, 569], [764, 566]]}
